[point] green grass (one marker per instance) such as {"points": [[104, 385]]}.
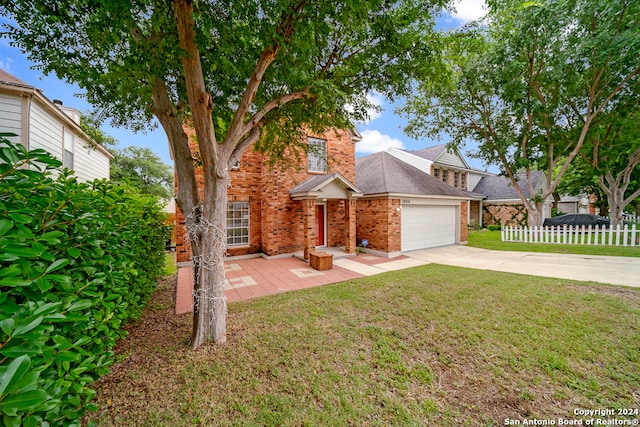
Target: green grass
{"points": [[432, 345], [491, 240], [170, 266]]}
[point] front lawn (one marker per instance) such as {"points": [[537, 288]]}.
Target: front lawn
{"points": [[491, 240], [432, 345]]}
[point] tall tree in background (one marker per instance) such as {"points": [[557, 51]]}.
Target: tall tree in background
{"points": [[612, 155], [242, 72], [529, 82], [142, 168], [138, 166]]}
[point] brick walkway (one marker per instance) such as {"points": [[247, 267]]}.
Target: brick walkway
{"points": [[256, 277]]}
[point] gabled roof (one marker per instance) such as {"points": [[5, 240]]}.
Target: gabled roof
{"points": [[14, 84], [314, 186], [430, 153], [7, 78], [500, 187], [382, 173], [436, 153]]}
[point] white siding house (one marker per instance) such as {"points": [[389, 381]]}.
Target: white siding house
{"points": [[40, 123]]}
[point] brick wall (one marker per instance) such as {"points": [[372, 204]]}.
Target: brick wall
{"points": [[336, 222], [464, 222], [475, 212], [379, 223], [276, 222], [282, 218]]}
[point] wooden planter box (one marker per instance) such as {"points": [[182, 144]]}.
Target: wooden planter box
{"points": [[321, 260]]}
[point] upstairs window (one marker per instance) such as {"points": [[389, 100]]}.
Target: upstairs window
{"points": [[317, 155], [463, 181], [436, 173], [444, 175], [456, 179], [67, 161]]}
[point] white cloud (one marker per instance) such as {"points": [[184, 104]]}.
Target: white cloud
{"points": [[377, 100], [5, 64], [468, 10], [373, 142]]}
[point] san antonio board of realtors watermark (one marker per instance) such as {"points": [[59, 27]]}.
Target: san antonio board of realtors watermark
{"points": [[584, 417]]}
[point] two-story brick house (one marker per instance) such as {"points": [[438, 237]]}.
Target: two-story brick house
{"points": [[278, 212]]}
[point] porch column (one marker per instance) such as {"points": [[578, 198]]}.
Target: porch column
{"points": [[309, 223], [350, 228]]}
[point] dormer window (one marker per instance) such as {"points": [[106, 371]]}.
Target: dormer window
{"points": [[317, 155]]}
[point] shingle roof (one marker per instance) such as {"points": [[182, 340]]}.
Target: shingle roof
{"points": [[430, 153], [13, 80], [318, 181], [382, 173], [500, 188]]}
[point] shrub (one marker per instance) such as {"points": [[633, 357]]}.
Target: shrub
{"points": [[77, 261], [493, 227]]}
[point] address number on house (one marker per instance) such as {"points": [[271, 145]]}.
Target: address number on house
{"points": [[405, 201]]}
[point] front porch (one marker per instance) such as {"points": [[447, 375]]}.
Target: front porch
{"points": [[328, 215]]}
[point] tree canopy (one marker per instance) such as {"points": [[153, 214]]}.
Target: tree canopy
{"points": [[137, 166], [242, 73], [528, 82]]}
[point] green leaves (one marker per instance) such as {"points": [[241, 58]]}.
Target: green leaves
{"points": [[529, 83], [16, 393], [76, 261]]}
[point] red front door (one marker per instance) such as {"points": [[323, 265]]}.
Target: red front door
{"points": [[319, 225]]}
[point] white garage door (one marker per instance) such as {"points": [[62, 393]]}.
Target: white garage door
{"points": [[427, 226]]}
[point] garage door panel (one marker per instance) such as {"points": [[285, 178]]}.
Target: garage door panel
{"points": [[427, 226]]}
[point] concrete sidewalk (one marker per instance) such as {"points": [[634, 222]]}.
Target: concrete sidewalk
{"points": [[603, 269]]}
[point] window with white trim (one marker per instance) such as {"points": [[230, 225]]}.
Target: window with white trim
{"points": [[67, 160], [444, 175], [317, 155], [456, 179], [237, 224], [463, 180], [436, 173]]}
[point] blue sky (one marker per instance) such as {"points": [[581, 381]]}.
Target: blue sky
{"points": [[384, 129]]}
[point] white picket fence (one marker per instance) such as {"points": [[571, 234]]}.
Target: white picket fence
{"points": [[619, 236]]}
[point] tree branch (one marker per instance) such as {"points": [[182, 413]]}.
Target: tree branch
{"points": [[285, 30], [199, 99]]}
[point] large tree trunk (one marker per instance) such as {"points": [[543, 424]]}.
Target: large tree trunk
{"points": [[535, 211], [210, 306], [615, 213], [615, 189]]}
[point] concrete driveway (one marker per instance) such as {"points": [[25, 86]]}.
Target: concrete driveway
{"points": [[603, 269]]}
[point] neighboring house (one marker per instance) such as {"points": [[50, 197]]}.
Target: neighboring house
{"points": [[575, 205], [404, 208], [276, 212], [502, 205], [492, 199], [450, 167], [40, 123]]}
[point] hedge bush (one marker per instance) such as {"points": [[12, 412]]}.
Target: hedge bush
{"points": [[77, 261]]}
